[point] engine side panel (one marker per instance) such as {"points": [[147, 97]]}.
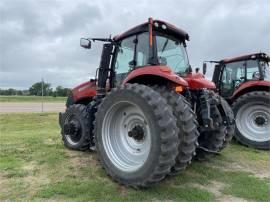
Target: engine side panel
{"points": [[83, 91], [198, 81]]}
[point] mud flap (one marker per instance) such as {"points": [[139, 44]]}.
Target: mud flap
{"points": [[60, 119], [226, 119], [205, 111]]}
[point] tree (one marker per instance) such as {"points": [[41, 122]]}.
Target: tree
{"points": [[61, 91], [19, 92], [9, 91], [36, 89]]}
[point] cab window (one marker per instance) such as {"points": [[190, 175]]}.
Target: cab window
{"points": [[142, 49], [172, 53], [127, 58], [253, 70], [133, 52], [232, 76], [125, 55]]}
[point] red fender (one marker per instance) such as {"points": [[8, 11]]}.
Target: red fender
{"points": [[161, 71], [88, 89], [249, 84]]}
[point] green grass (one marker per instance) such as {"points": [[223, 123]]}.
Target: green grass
{"points": [[34, 166], [31, 99]]}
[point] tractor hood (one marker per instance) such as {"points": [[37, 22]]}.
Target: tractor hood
{"points": [[84, 90], [198, 81]]}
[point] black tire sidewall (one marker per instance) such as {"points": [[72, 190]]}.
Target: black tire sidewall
{"points": [[152, 159], [76, 110], [187, 125]]}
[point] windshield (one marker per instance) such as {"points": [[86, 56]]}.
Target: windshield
{"points": [[265, 70], [172, 53]]}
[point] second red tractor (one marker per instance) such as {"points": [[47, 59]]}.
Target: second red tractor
{"points": [[244, 81]]}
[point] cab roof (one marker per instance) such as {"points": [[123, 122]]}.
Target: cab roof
{"points": [[260, 55], [170, 30]]}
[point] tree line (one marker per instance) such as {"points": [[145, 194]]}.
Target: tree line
{"points": [[36, 89]]}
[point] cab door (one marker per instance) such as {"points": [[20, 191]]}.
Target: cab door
{"points": [[124, 56], [232, 77], [132, 53]]}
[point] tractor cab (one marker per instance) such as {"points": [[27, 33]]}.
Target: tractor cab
{"points": [[234, 74], [156, 44], [245, 83], [152, 52], [137, 51]]}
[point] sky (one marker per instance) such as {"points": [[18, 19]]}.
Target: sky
{"points": [[40, 38]]}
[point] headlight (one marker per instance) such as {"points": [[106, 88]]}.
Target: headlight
{"points": [[163, 26]]}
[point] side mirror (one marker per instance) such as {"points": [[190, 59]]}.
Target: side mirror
{"points": [[204, 67], [85, 43]]}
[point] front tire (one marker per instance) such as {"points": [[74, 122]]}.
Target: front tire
{"points": [[252, 114], [76, 128], [136, 135]]}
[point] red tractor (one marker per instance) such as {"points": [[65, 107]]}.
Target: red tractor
{"points": [[245, 83], [146, 114]]}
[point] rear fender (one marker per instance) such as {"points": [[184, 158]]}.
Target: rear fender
{"points": [[250, 86], [152, 75]]}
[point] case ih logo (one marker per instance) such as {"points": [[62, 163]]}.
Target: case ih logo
{"points": [[83, 88]]}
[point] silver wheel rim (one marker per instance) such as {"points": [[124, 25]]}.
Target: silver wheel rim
{"points": [[253, 121], [127, 153]]}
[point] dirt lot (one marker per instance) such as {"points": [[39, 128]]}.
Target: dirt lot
{"points": [[10, 107]]}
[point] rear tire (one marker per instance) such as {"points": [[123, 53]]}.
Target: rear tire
{"points": [[136, 135], [76, 127], [252, 115], [187, 125]]}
